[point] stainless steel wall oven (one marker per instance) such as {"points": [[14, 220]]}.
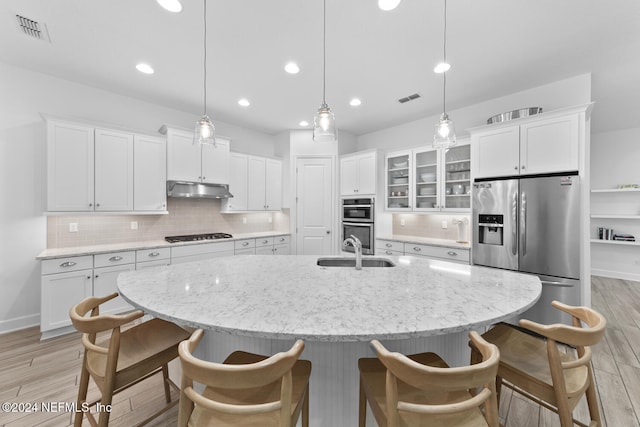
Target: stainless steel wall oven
{"points": [[358, 217]]}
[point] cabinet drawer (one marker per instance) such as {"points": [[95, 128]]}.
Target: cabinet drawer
{"points": [[247, 251], [380, 251], [460, 255], [205, 248], [245, 244], [144, 255], [62, 265], [389, 245], [114, 258], [264, 241], [281, 240]]}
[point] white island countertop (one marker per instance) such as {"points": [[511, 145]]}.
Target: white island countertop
{"points": [[285, 297]]}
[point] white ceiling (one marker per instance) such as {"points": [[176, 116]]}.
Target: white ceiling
{"points": [[496, 47]]}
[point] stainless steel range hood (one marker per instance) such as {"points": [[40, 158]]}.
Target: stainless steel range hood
{"points": [[199, 190]]}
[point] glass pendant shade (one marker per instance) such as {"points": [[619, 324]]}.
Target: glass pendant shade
{"points": [[445, 133], [205, 132], [324, 125]]}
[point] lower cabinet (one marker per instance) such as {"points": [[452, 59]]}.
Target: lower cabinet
{"points": [[397, 248], [105, 282], [59, 292]]}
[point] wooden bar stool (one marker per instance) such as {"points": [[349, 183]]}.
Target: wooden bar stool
{"points": [[422, 390], [245, 390], [533, 365], [125, 357]]}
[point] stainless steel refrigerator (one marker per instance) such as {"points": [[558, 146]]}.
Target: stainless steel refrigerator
{"points": [[532, 225]]}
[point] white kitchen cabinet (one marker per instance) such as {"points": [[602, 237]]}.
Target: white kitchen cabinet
{"points": [[113, 171], [238, 185], [278, 245], [541, 144], [282, 245], [105, 282], [437, 252], [70, 167], [358, 174], [191, 162], [264, 184], [64, 282], [150, 173], [389, 247], [202, 251], [426, 179]]}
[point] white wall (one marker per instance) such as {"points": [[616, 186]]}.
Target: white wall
{"points": [[24, 95], [564, 93], [615, 159]]}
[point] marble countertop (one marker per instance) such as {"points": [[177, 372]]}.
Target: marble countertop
{"points": [[290, 296], [445, 243], [148, 244]]}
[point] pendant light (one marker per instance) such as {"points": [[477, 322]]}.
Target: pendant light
{"points": [[324, 123], [205, 132], [445, 133]]}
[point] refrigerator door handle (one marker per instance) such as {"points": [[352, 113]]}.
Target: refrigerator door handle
{"points": [[523, 223], [514, 229]]}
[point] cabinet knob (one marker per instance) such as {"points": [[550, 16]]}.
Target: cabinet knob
{"points": [[204, 177], [388, 252], [115, 258], [417, 249], [90, 204], [245, 243], [522, 167], [88, 277], [97, 205], [515, 167], [265, 242], [97, 276], [388, 245], [451, 253]]}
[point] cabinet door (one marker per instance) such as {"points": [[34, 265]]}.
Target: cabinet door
{"points": [[273, 180], [426, 180], [497, 153], [367, 173], [281, 249], [215, 162], [237, 183], [113, 171], [348, 176], [398, 181], [105, 282], [264, 250], [58, 293], [256, 185], [550, 145], [150, 173], [70, 165], [183, 157], [456, 189]]}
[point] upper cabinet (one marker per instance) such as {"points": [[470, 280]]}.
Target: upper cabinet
{"points": [[545, 143], [103, 170], [191, 162], [256, 184], [358, 174], [429, 180]]}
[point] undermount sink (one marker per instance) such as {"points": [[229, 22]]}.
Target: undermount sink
{"points": [[351, 262]]}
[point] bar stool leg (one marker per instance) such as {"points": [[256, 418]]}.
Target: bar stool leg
{"points": [[82, 392], [165, 381]]}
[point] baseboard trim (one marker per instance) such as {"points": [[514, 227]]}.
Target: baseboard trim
{"points": [[615, 274], [18, 323]]}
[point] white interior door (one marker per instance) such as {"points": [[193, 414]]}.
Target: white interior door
{"points": [[314, 208]]}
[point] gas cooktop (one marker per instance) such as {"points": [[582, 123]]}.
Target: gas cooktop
{"points": [[197, 237]]}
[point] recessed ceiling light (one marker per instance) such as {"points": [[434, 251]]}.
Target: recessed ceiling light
{"points": [[244, 102], [171, 5], [355, 102], [442, 67], [292, 68], [145, 68], [388, 4], [304, 123]]}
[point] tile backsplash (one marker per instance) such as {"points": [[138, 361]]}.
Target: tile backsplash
{"points": [[429, 225], [186, 216]]}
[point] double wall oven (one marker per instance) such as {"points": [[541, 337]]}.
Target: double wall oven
{"points": [[358, 220]]}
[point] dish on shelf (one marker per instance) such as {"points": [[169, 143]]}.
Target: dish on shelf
{"points": [[400, 164], [401, 180], [397, 205], [428, 177], [427, 191], [458, 189]]}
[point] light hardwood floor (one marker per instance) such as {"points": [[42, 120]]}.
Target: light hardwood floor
{"points": [[34, 371]]}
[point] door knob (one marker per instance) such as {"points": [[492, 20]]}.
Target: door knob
{"points": [[328, 231]]}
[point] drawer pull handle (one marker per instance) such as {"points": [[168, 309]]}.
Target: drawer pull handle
{"points": [[388, 245], [388, 252], [154, 254], [245, 243], [115, 258], [265, 242], [451, 253], [67, 264], [282, 239], [417, 249]]}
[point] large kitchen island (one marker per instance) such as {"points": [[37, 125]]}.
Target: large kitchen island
{"points": [[263, 303]]}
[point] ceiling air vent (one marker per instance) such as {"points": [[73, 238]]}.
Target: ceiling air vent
{"points": [[409, 98], [33, 28]]}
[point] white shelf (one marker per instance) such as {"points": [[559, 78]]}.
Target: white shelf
{"points": [[615, 242], [616, 190], [605, 216]]}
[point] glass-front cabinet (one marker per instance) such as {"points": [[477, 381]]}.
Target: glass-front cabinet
{"points": [[398, 181], [429, 180], [457, 177]]}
